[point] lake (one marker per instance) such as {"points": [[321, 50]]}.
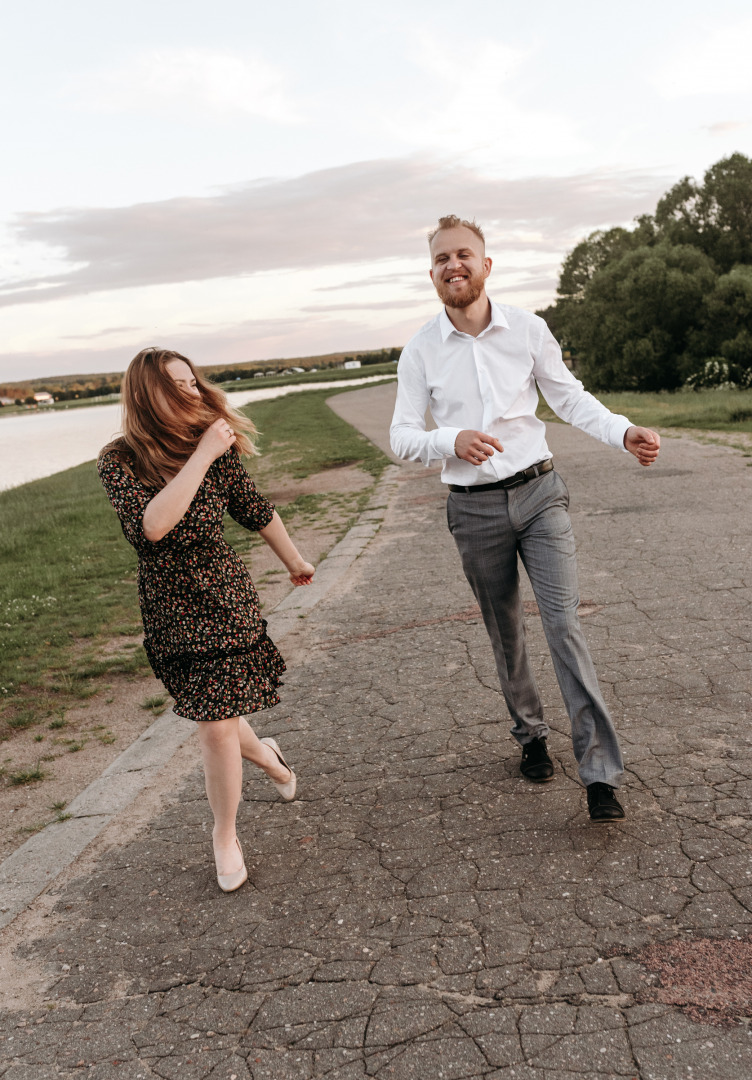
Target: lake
{"points": [[42, 442]]}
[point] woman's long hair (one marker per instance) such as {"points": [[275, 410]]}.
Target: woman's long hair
{"points": [[162, 424]]}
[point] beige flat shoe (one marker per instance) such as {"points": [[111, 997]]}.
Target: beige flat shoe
{"points": [[286, 790], [231, 882]]}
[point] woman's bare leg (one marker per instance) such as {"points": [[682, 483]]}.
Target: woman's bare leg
{"points": [[260, 754], [223, 774]]}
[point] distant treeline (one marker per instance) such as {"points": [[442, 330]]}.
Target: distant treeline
{"points": [[667, 303], [22, 397], [383, 356], [69, 387]]}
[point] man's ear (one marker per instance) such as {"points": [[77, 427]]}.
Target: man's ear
{"points": [[430, 274], [487, 264]]}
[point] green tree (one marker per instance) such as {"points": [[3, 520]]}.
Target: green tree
{"points": [[725, 329], [650, 307], [632, 329], [715, 216], [590, 256]]}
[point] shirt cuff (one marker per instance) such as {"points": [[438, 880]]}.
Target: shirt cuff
{"points": [[619, 427], [444, 440]]}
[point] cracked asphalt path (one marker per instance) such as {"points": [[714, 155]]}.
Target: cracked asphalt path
{"points": [[422, 911]]}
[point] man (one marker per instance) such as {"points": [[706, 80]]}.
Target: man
{"points": [[476, 365]]}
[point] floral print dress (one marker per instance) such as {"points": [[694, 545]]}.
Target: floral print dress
{"points": [[203, 631]]}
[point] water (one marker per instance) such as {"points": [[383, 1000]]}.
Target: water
{"points": [[44, 442]]}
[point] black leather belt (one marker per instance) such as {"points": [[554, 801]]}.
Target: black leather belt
{"points": [[510, 481]]}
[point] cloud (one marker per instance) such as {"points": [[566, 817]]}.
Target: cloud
{"points": [[713, 61], [372, 305], [101, 333], [376, 279], [253, 339], [364, 212], [723, 127], [479, 100], [190, 80]]}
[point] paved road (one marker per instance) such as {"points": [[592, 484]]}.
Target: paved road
{"points": [[422, 911]]}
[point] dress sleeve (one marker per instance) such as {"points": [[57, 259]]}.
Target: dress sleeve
{"points": [[245, 504], [128, 496]]}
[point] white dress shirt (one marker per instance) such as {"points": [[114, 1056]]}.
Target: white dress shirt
{"points": [[488, 383]]}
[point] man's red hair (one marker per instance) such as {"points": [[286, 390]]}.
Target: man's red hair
{"points": [[451, 221]]}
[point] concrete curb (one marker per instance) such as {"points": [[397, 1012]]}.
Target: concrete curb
{"points": [[330, 570], [34, 866]]}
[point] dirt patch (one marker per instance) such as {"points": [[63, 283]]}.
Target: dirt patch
{"points": [[734, 440], [709, 978], [340, 478], [69, 755], [313, 541]]}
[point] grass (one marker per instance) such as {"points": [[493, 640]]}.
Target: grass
{"points": [[39, 825], [155, 704], [68, 583], [26, 776], [323, 376], [302, 435], [67, 574], [73, 745], [706, 410]]}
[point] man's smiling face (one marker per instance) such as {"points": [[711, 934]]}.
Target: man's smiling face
{"points": [[459, 266]]}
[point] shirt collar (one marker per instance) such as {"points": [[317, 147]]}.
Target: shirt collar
{"points": [[446, 326]]}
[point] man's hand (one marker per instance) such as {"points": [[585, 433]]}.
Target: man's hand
{"points": [[644, 443], [475, 447]]}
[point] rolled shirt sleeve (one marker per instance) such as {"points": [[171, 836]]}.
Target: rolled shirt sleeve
{"points": [[570, 400], [407, 435]]}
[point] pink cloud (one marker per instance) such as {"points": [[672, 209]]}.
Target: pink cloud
{"points": [[364, 212]]}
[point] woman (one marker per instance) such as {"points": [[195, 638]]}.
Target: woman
{"points": [[171, 478]]}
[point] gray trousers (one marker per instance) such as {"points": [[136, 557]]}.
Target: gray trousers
{"points": [[490, 528]]}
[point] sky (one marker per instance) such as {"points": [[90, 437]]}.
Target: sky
{"points": [[244, 181]]}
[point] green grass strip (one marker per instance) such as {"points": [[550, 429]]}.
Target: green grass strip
{"points": [[68, 581], [324, 376], [706, 410], [302, 435]]}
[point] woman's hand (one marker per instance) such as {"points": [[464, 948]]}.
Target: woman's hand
{"points": [[301, 573], [216, 440], [275, 535], [168, 507]]}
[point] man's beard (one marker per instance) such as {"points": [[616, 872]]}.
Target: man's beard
{"points": [[473, 288]]}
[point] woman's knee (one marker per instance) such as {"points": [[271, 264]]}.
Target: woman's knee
{"points": [[218, 734]]}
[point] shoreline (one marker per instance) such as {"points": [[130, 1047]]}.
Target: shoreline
{"points": [[37, 444]]}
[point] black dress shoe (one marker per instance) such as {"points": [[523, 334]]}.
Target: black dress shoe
{"points": [[602, 803], [536, 765]]}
